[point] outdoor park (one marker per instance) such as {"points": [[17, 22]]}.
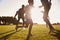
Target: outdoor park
{"points": [[39, 32], [29, 20]]}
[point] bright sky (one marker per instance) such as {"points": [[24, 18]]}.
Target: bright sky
{"points": [[9, 8]]}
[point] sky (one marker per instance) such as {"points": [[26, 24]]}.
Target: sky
{"points": [[9, 8]]}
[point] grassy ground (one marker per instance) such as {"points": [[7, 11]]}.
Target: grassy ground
{"points": [[39, 32]]}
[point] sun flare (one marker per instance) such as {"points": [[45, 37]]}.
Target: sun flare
{"points": [[36, 14]]}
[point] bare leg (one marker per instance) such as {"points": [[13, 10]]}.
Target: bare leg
{"points": [[27, 24], [17, 23], [30, 28], [48, 23], [23, 21]]}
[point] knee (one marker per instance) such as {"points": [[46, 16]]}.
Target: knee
{"points": [[31, 23], [45, 18]]}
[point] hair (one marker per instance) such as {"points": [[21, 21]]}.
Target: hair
{"points": [[23, 6], [30, 1]]}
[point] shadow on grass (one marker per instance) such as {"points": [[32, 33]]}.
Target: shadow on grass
{"points": [[7, 32], [57, 34], [10, 30], [7, 36]]}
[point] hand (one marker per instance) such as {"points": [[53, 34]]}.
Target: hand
{"points": [[40, 6], [14, 16], [42, 11]]}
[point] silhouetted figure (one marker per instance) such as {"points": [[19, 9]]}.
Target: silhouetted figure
{"points": [[47, 5], [28, 17], [20, 14], [47, 17], [0, 19]]}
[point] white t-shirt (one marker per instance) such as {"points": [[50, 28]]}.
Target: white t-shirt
{"points": [[28, 12]]}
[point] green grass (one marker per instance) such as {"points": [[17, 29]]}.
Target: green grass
{"points": [[39, 32]]}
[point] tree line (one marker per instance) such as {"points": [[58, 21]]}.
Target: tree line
{"points": [[7, 20]]}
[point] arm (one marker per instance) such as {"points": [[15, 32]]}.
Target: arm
{"points": [[42, 11], [15, 15], [40, 6], [50, 0]]}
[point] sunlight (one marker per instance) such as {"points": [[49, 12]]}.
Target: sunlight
{"points": [[9, 8], [36, 14]]}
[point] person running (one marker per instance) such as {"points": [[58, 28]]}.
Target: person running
{"points": [[47, 5], [28, 17], [20, 14]]}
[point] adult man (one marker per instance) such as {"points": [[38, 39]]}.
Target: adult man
{"points": [[20, 14], [28, 17], [47, 5]]}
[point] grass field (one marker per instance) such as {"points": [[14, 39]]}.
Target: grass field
{"points": [[39, 32]]}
